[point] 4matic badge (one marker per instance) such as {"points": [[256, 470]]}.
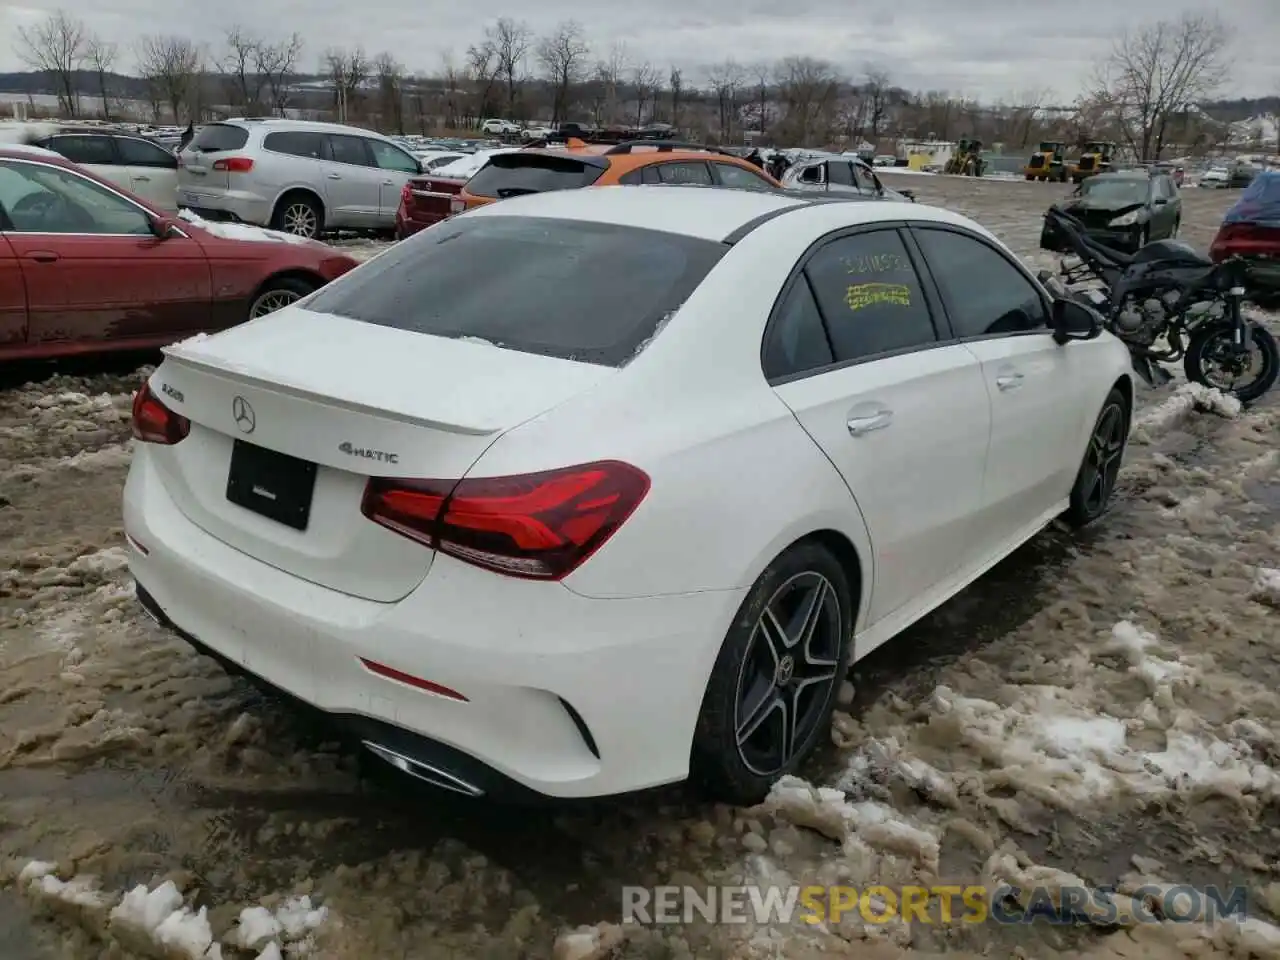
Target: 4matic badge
{"points": [[381, 456]]}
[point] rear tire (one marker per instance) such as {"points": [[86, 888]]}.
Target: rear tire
{"points": [[1205, 337], [765, 676], [299, 214], [1096, 480], [279, 293]]}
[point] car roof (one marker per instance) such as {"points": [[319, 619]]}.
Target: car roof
{"points": [[709, 213], [304, 126]]}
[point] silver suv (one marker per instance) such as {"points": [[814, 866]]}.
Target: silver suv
{"points": [[294, 175]]}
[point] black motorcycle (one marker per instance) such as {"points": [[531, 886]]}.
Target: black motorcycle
{"points": [[1169, 291]]}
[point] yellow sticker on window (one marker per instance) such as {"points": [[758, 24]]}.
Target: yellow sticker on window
{"points": [[860, 295]]}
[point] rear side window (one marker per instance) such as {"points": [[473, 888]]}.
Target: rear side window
{"points": [[513, 174], [142, 153], [86, 149], [732, 175], [350, 150], [797, 341], [686, 172], [578, 291], [217, 137], [870, 296], [295, 143], [838, 172]]}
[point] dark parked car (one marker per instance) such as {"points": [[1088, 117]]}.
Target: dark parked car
{"points": [[1242, 174], [86, 266], [1124, 210]]}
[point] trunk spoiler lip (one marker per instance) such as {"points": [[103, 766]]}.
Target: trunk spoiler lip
{"points": [[250, 377]]}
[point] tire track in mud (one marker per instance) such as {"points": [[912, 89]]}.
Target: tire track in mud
{"points": [[125, 756]]}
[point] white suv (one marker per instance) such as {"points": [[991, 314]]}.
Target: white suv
{"points": [[501, 128], [294, 175]]}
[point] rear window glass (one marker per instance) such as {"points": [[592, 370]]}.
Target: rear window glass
{"points": [[217, 137], [560, 288], [511, 174]]}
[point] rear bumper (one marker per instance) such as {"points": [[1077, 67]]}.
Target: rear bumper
{"points": [[238, 205], [566, 696]]}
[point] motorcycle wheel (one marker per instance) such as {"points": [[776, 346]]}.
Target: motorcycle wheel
{"points": [[1208, 341]]}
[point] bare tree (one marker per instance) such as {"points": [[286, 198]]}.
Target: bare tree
{"points": [[1155, 73], [390, 76], [676, 84], [609, 72], [170, 65], [875, 98], [762, 73], [57, 47], [239, 67], [482, 62], [1023, 113], [726, 80], [347, 71], [451, 78], [644, 78], [101, 57], [563, 55], [510, 41], [276, 64], [808, 88]]}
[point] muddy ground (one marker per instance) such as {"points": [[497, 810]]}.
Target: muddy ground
{"points": [[1103, 705]]}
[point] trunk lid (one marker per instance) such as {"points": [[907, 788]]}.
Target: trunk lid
{"points": [[352, 400], [432, 197], [196, 162]]}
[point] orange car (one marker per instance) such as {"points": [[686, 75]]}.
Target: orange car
{"points": [[579, 164]]}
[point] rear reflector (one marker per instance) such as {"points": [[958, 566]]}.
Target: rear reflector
{"points": [[539, 526], [234, 164], [391, 673], [153, 422]]}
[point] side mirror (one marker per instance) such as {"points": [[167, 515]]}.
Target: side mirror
{"points": [[1073, 320], [162, 228], [909, 194]]}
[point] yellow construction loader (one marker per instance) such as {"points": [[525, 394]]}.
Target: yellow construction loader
{"points": [[1096, 158], [1049, 162], [967, 159]]}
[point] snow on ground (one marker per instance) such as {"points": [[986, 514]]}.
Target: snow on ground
{"points": [[1099, 707]]}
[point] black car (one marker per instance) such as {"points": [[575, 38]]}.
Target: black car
{"points": [[1240, 175], [1124, 210]]}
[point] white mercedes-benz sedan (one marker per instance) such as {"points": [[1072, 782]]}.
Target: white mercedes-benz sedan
{"points": [[593, 490]]}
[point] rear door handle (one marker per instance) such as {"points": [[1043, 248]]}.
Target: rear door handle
{"points": [[875, 421], [143, 179], [43, 256], [335, 176], [1009, 381], [388, 183]]}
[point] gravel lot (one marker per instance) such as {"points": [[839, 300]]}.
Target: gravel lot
{"points": [[1103, 706]]}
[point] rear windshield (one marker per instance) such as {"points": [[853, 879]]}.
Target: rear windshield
{"points": [[217, 137], [511, 174], [561, 288]]}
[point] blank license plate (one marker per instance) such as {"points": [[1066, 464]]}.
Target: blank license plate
{"points": [[272, 484]]}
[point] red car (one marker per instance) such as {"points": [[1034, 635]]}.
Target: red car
{"points": [[1251, 229], [87, 267], [426, 200]]}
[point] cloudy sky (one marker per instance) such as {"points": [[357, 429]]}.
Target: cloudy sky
{"points": [[990, 49]]}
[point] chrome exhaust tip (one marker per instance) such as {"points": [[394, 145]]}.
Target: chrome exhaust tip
{"points": [[423, 771]]}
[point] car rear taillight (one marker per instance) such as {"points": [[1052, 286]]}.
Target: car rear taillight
{"points": [[234, 164], [153, 422], [1246, 240], [406, 196], [540, 526], [457, 206]]}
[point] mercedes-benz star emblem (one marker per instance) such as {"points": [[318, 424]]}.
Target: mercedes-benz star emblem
{"points": [[243, 414]]}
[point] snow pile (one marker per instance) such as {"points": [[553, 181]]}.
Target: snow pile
{"points": [[244, 231], [1266, 586], [1188, 398], [158, 923]]}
